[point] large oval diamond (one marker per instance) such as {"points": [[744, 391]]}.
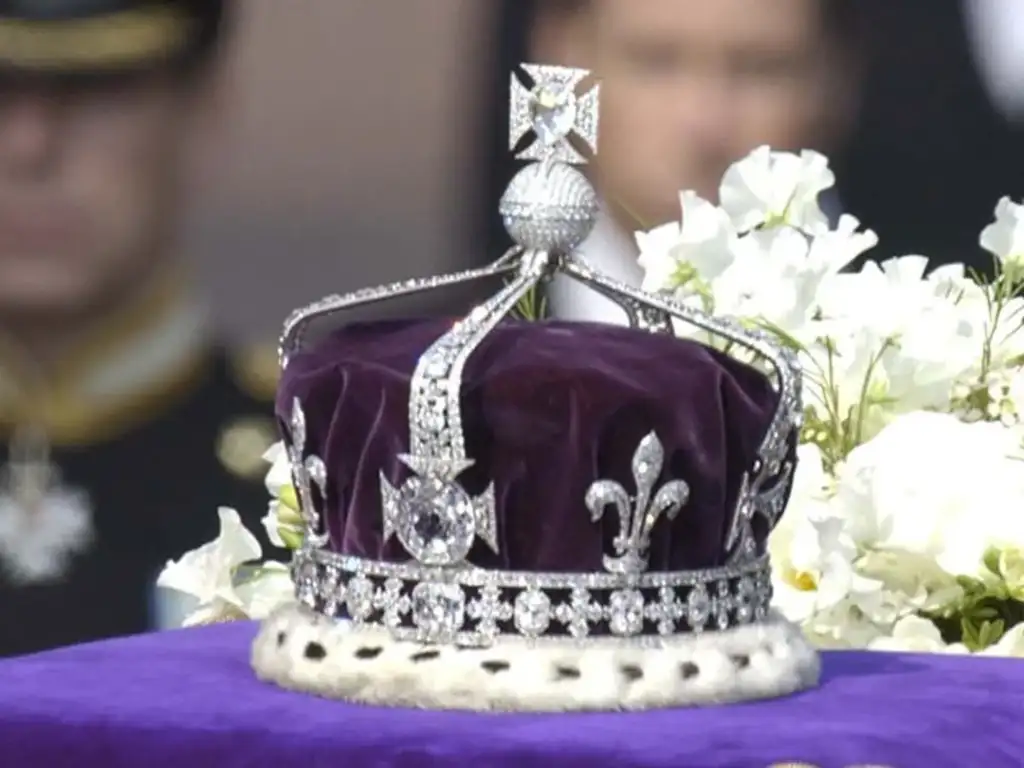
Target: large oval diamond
{"points": [[437, 521]]}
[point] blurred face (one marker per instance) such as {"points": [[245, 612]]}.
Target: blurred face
{"points": [[688, 86], [90, 175]]}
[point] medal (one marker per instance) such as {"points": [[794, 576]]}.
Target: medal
{"points": [[43, 523]]}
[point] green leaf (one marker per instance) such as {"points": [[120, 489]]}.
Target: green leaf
{"points": [[969, 633], [991, 560], [983, 612], [532, 306], [990, 632], [782, 335], [971, 586]]}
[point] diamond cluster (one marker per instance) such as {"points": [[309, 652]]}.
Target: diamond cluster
{"points": [[553, 112], [475, 607]]}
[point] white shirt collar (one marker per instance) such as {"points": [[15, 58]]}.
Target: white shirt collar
{"points": [[611, 251]]}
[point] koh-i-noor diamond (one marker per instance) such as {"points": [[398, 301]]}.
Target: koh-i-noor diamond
{"points": [[436, 520]]}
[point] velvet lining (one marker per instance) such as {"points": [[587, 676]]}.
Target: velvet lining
{"points": [[548, 408]]}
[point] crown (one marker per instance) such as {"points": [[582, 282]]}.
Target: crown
{"points": [[548, 489]]}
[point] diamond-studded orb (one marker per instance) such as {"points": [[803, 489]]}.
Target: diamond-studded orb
{"points": [[437, 521], [549, 207]]}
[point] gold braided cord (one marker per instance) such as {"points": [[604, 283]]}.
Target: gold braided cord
{"points": [[109, 40]]}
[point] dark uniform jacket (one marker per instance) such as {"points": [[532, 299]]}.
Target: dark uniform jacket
{"points": [[154, 469]]}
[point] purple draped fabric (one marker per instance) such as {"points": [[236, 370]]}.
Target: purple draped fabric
{"points": [[188, 698], [548, 408]]}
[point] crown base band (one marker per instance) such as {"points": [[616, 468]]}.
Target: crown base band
{"points": [[477, 608]]}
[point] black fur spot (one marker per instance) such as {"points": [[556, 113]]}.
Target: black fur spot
{"points": [[740, 662], [369, 652], [424, 656], [567, 673], [494, 667], [631, 672], [282, 637], [315, 652], [688, 670]]}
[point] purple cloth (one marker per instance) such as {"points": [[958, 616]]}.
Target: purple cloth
{"points": [[548, 408], [188, 698]]}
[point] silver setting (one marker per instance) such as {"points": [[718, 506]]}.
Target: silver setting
{"points": [[439, 596], [553, 112], [434, 518], [549, 207], [476, 607], [637, 515], [307, 471]]}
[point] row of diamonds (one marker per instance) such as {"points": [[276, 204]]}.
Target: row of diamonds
{"points": [[479, 577], [435, 420], [295, 325], [443, 612]]}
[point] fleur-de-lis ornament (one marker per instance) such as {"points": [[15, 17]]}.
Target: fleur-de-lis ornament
{"points": [[637, 515], [306, 470]]}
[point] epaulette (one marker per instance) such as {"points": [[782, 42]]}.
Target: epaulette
{"points": [[255, 370]]}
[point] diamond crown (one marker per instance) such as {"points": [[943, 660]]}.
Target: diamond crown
{"points": [[437, 596]]}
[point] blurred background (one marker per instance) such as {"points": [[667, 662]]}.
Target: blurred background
{"points": [[174, 181], [363, 138], [355, 134]]}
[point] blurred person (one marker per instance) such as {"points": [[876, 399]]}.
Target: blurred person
{"points": [[688, 87], [124, 423]]}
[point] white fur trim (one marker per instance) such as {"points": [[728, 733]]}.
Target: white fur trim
{"points": [[305, 652]]}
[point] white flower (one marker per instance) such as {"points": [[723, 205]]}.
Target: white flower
{"points": [[1004, 238], [661, 270], [1011, 569], [768, 187], [1011, 644], [283, 522], [208, 573], [932, 485], [813, 576], [673, 254], [916, 335], [911, 634], [269, 588], [911, 583], [279, 476]]}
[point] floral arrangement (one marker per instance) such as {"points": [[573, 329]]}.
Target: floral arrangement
{"points": [[905, 530], [225, 577]]}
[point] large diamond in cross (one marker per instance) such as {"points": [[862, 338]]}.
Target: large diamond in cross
{"points": [[553, 112], [434, 518]]}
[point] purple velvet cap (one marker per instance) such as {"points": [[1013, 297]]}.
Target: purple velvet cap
{"points": [[547, 408]]}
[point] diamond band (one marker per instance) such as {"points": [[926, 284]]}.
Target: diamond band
{"points": [[431, 514], [476, 607]]}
